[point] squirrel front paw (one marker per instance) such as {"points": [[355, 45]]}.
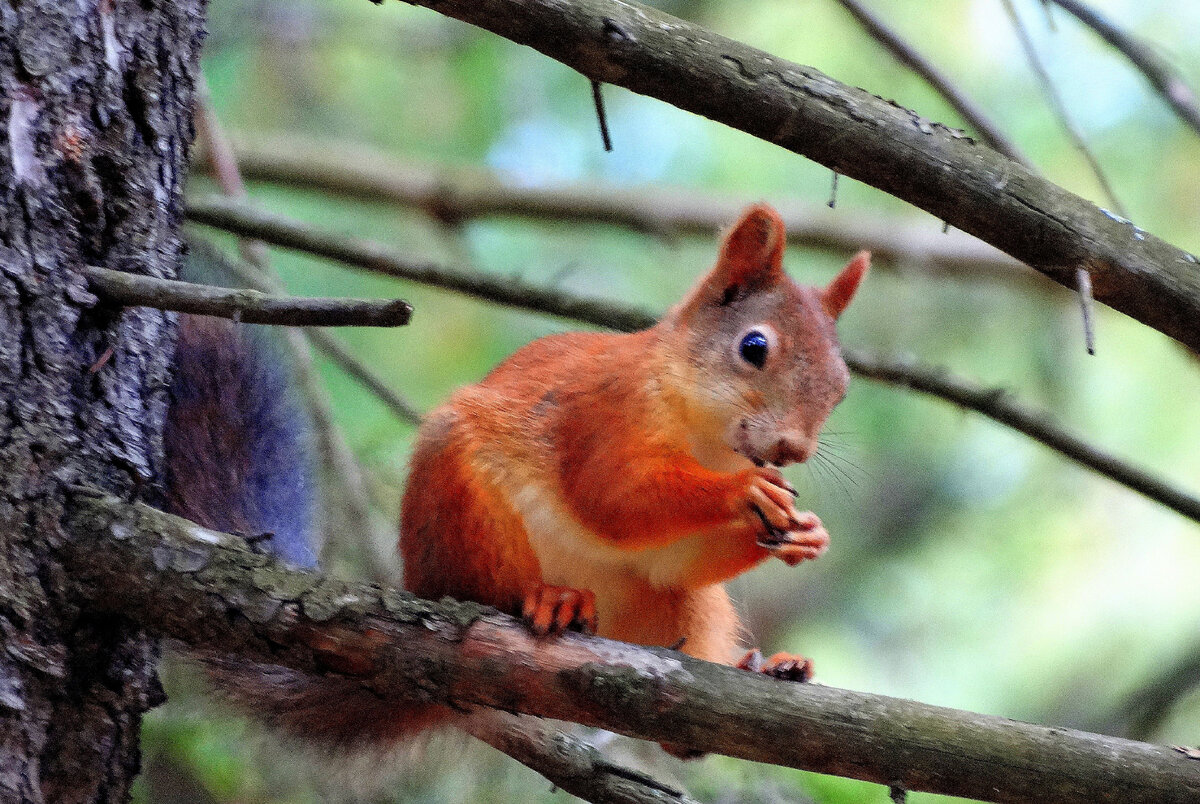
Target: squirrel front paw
{"points": [[803, 543], [785, 666], [554, 609], [790, 535]]}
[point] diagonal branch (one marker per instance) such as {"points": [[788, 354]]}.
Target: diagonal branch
{"points": [[249, 306], [907, 55], [457, 194], [212, 592], [1157, 70], [247, 221], [863, 137]]}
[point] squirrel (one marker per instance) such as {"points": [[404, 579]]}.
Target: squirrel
{"points": [[608, 483]]}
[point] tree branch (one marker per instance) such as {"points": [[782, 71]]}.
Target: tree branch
{"points": [[458, 194], [861, 136], [569, 762], [1157, 70], [907, 55], [278, 230], [998, 405], [212, 592], [249, 306], [247, 221]]}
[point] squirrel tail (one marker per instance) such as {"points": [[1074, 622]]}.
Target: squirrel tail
{"points": [[239, 459]]}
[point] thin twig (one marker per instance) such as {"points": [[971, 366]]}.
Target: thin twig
{"points": [[334, 348], [222, 163], [1083, 282], [998, 405], [378, 258], [1060, 108], [249, 306], [903, 52], [1165, 79], [247, 221], [461, 194], [568, 762], [601, 115]]}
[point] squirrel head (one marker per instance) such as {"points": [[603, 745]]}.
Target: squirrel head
{"points": [[755, 357]]}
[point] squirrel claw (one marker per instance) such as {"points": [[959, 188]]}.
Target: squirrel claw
{"points": [[805, 541], [553, 609], [785, 666]]}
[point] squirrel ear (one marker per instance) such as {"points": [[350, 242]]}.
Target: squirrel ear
{"points": [[751, 254], [837, 294], [750, 258]]}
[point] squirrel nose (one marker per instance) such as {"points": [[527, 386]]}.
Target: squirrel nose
{"points": [[792, 447]]}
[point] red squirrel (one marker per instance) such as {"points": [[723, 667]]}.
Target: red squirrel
{"points": [[610, 482]]}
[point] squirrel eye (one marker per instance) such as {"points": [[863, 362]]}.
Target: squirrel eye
{"points": [[753, 348]]}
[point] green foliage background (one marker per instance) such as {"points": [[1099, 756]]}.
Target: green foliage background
{"points": [[971, 568]]}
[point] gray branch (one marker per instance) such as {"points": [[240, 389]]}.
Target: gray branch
{"points": [[247, 221], [863, 137], [249, 306], [212, 592], [456, 195], [1157, 70]]}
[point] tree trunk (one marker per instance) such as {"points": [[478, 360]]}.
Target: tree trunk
{"points": [[96, 110]]}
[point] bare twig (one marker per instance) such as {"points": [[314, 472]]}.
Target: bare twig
{"points": [[222, 164], [569, 762], [375, 257], [862, 137], [211, 592], [1086, 304], [997, 405], [903, 52], [1060, 108], [601, 115], [1158, 71], [460, 195], [333, 347], [247, 221], [249, 306]]}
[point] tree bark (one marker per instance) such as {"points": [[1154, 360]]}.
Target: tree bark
{"points": [[96, 112]]}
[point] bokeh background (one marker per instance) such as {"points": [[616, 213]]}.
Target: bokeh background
{"points": [[970, 568]]}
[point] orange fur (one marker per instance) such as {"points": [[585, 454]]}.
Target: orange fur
{"points": [[619, 478]]}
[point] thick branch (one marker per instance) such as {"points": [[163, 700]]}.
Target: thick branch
{"points": [[210, 591], [459, 195], [1157, 70], [278, 230], [907, 55], [861, 136], [249, 306]]}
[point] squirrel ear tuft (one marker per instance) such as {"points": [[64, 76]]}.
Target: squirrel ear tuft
{"points": [[837, 294]]}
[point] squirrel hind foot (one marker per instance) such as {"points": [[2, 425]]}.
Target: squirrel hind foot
{"points": [[784, 666], [551, 610]]}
